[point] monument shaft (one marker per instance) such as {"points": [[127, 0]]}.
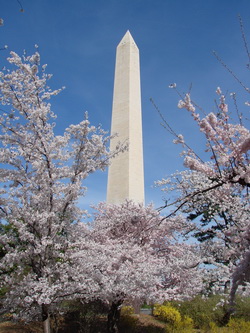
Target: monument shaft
{"points": [[126, 174]]}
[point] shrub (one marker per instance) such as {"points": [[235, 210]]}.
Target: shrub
{"points": [[172, 317], [78, 317], [186, 325], [127, 322], [168, 314], [127, 310], [236, 325], [206, 310], [203, 311], [242, 308], [213, 328]]}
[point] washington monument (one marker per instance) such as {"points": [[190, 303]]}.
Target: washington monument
{"points": [[126, 174]]}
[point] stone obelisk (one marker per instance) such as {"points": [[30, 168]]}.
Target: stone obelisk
{"points": [[126, 173]]}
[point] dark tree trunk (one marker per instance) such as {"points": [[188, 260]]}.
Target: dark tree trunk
{"points": [[46, 319], [113, 317], [226, 317], [231, 304]]}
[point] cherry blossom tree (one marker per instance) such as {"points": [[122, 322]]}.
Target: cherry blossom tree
{"points": [[141, 257], [42, 178], [217, 191]]}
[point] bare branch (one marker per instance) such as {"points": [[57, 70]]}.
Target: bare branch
{"points": [[230, 71], [243, 35]]}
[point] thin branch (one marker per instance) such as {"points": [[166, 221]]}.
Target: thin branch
{"points": [[237, 109], [230, 71], [215, 157], [21, 7], [187, 199], [244, 38], [170, 129], [167, 126]]}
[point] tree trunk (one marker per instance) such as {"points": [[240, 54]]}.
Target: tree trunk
{"points": [[231, 304], [137, 305], [46, 319], [113, 316]]}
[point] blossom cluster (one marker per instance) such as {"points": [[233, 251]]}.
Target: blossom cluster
{"points": [[214, 196]]}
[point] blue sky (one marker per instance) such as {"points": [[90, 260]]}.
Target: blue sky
{"points": [[78, 39]]}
